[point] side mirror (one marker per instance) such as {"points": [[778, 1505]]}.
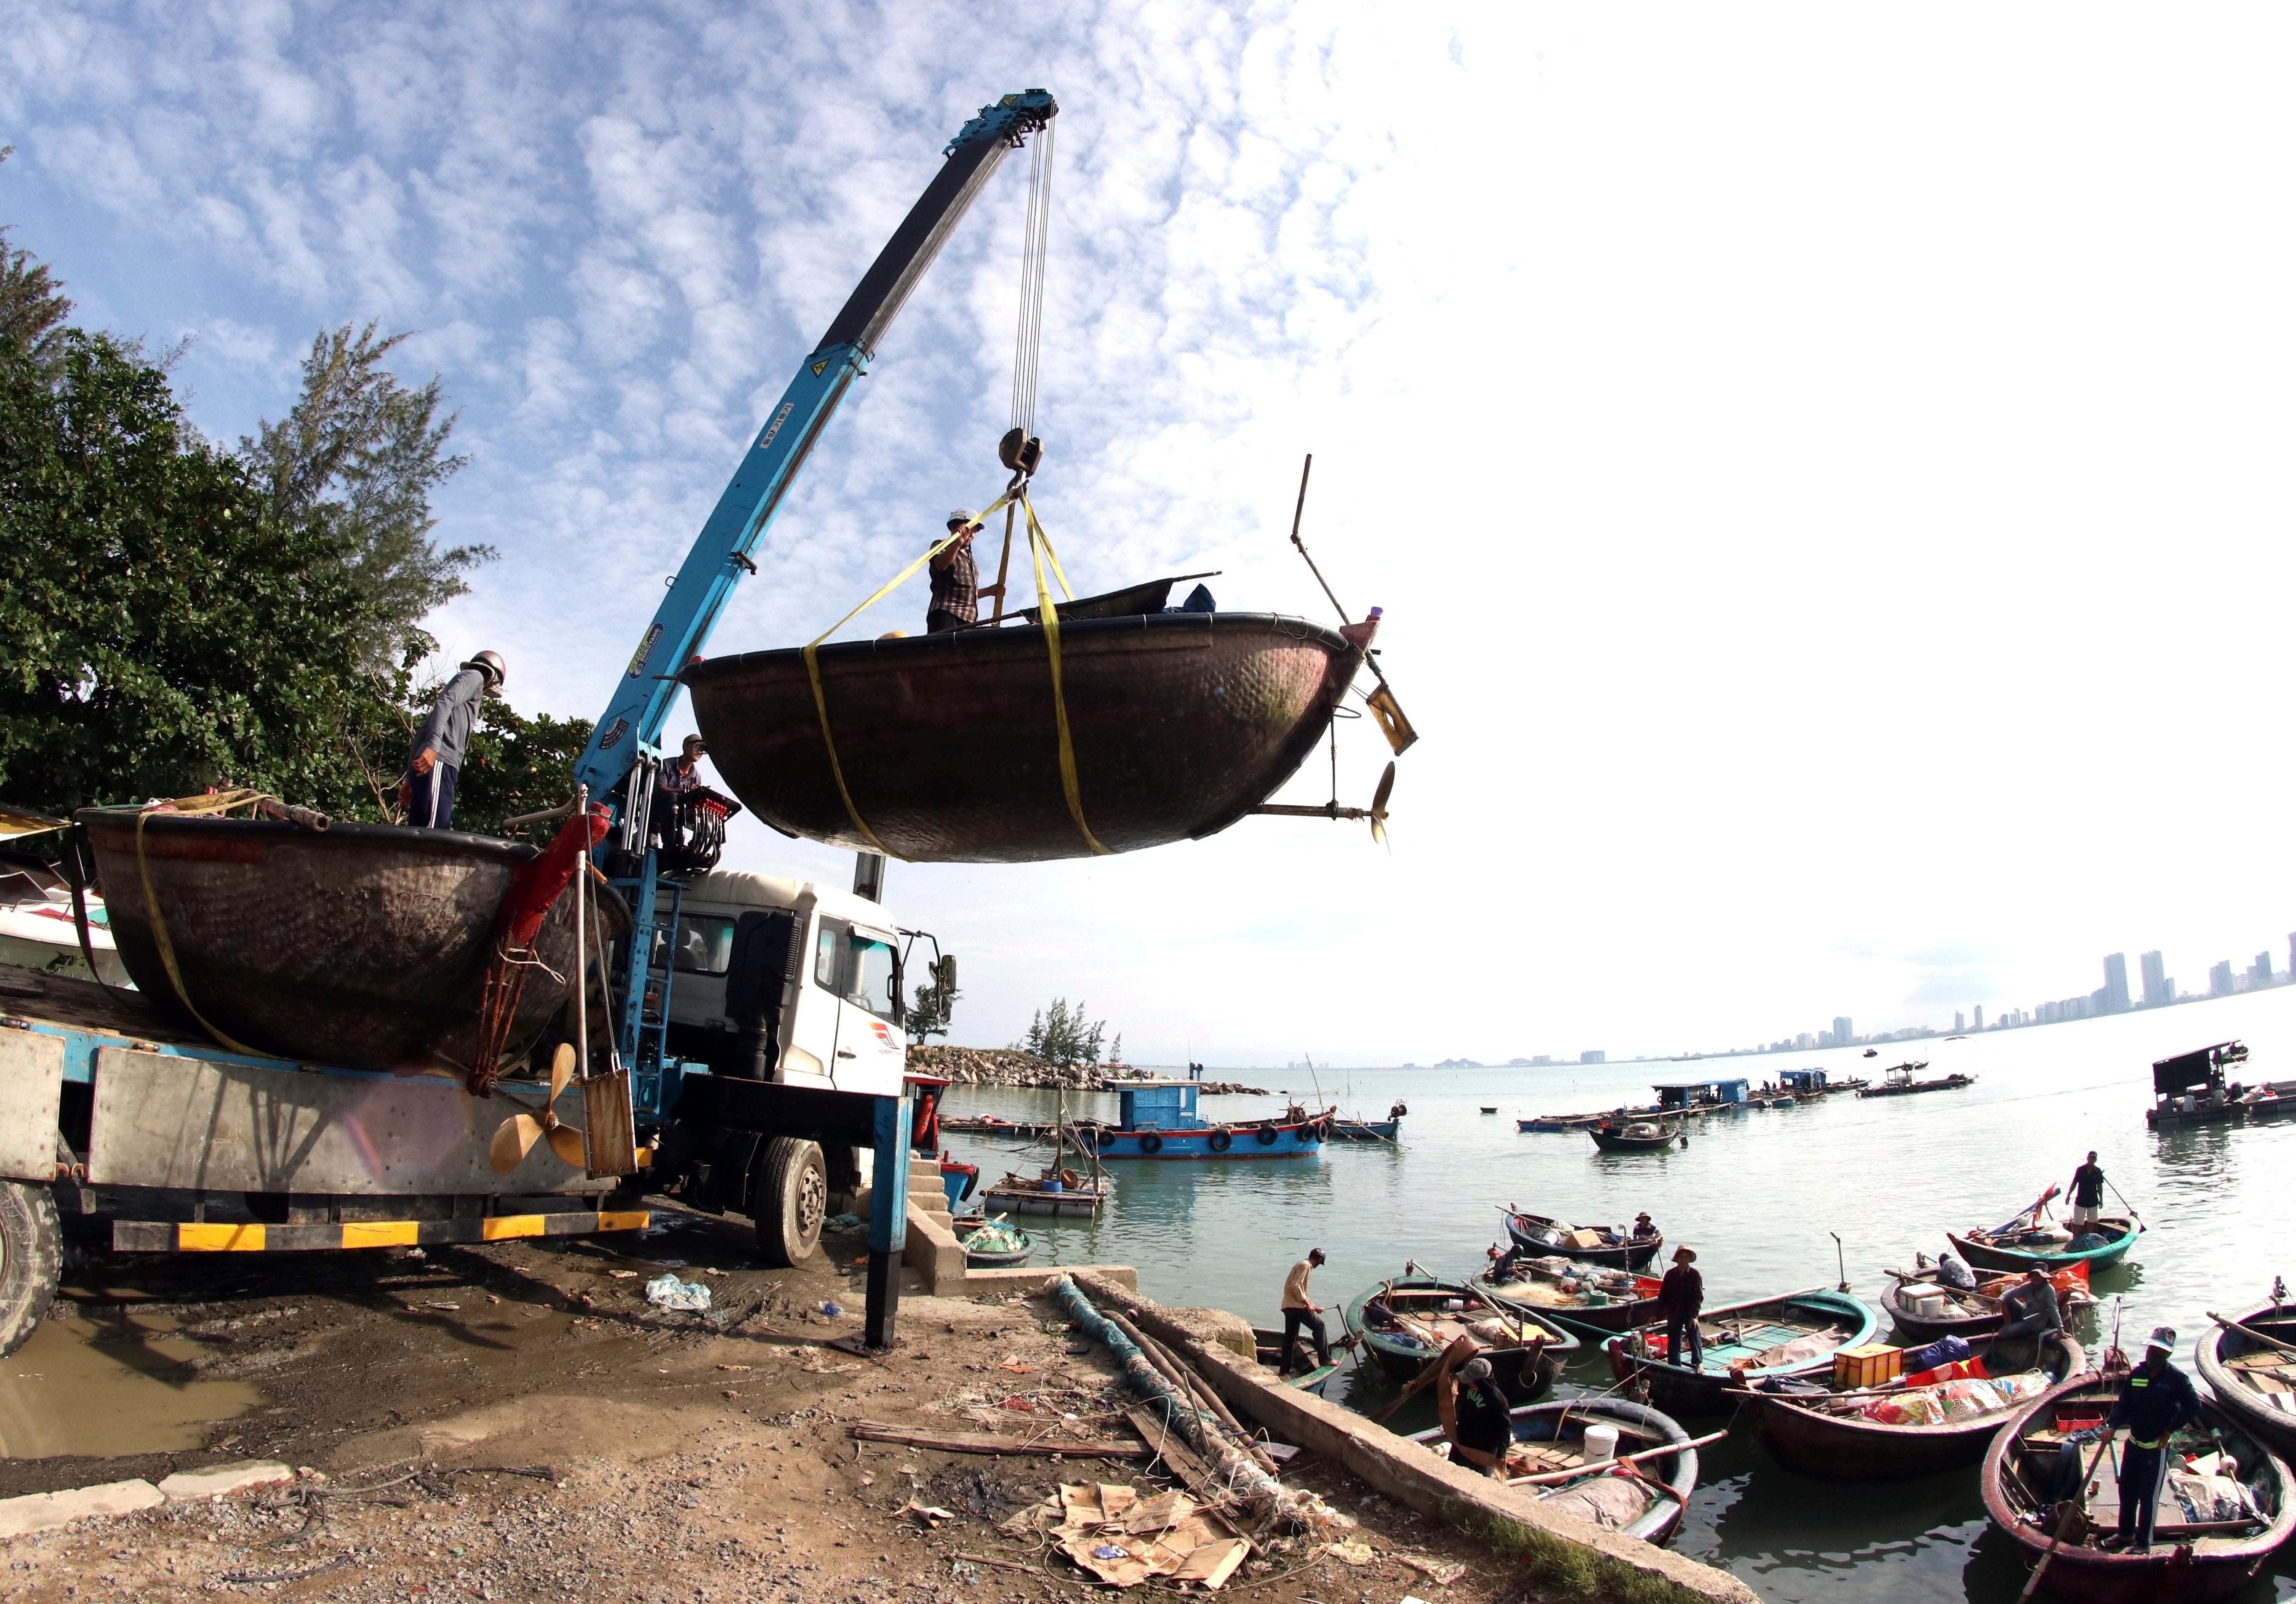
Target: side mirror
{"points": [[945, 974]]}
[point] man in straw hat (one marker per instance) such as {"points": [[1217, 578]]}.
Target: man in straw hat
{"points": [[2156, 1398], [1680, 1296]]}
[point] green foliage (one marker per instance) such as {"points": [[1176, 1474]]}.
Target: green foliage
{"points": [[160, 631], [355, 462], [1062, 1035], [515, 764], [32, 306]]}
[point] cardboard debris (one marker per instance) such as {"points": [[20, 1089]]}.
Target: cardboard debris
{"points": [[1442, 1573], [1124, 1539], [1352, 1554]]}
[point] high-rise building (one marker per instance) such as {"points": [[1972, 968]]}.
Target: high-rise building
{"points": [[1957, 1026], [2220, 979], [2116, 982], [1977, 1018], [2259, 973], [2156, 978], [1841, 1034], [1592, 1057]]}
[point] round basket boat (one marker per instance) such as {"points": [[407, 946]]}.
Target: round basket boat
{"points": [[363, 945], [949, 748]]}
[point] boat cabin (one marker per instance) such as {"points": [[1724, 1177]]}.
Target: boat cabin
{"points": [[2190, 1088], [1159, 1105], [1802, 1079], [1699, 1094]]}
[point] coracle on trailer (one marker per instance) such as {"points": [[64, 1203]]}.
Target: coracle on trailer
{"points": [[361, 945], [949, 747]]}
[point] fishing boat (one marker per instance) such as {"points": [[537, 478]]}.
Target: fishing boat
{"points": [[958, 1179], [1406, 1323], [1059, 1192], [1552, 1437], [2254, 1379], [1925, 1309], [1545, 1122], [1580, 1298], [1745, 1343], [958, 747], [1898, 1081], [1365, 1131], [2270, 1100], [38, 931], [2189, 1089], [2226, 1503], [2022, 1246], [1302, 1372], [363, 946], [1916, 1423], [1158, 1119], [1535, 1235], [994, 1245], [1492, 1109], [1644, 1135]]}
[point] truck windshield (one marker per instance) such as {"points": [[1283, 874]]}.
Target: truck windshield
{"points": [[705, 944], [874, 976]]}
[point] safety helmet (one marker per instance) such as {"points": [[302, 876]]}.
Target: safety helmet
{"points": [[962, 516], [490, 664]]}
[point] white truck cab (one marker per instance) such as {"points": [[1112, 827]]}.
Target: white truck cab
{"points": [[787, 981]]}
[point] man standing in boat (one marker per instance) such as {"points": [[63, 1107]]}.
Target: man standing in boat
{"points": [[1301, 1313], [2087, 1191], [2156, 1399], [1681, 1295], [434, 760], [955, 578]]}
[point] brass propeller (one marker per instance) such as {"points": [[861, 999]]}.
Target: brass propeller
{"points": [[515, 1137], [1379, 805]]}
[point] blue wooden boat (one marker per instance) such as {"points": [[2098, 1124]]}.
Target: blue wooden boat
{"points": [[2022, 1249], [1312, 1377], [1158, 1119], [1749, 1335], [1406, 1323]]}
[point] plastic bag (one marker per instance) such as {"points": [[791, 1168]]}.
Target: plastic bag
{"points": [[1945, 1350], [665, 1291]]}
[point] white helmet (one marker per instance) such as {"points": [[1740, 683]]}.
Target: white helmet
{"points": [[961, 517]]}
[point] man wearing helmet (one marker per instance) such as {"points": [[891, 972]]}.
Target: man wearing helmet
{"points": [[427, 791], [955, 578]]}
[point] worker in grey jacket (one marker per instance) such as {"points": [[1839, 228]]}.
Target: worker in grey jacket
{"points": [[435, 758]]}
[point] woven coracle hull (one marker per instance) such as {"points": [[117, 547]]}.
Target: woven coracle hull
{"points": [[1180, 723], [363, 945]]}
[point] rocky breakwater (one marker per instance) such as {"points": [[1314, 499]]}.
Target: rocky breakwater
{"points": [[1010, 1066]]}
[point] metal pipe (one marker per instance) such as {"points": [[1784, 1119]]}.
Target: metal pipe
{"points": [[582, 941], [560, 812]]}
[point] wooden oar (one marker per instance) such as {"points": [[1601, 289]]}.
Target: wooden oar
{"points": [[2251, 1331], [1423, 1380], [1547, 1478]]}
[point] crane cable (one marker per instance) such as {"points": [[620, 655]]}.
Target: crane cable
{"points": [[1028, 340]]}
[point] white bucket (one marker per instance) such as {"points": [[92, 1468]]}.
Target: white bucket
{"points": [[1602, 1442]]}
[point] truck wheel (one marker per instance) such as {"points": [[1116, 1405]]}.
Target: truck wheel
{"points": [[31, 1261], [789, 1201]]}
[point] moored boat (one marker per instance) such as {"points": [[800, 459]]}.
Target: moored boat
{"points": [[996, 1246], [1643, 1136], [2202, 1549], [1158, 1119], [949, 747], [1406, 1323], [2189, 1089], [1554, 1435], [1536, 1235], [1911, 1427], [1925, 1309], [363, 946], [1063, 1193], [1793, 1335], [2050, 1246], [1898, 1081], [1309, 1378], [1582, 1298], [1365, 1131], [2254, 1380]]}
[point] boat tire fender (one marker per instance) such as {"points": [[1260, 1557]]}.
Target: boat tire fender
{"points": [[1320, 1131], [1151, 1143], [1221, 1141], [1268, 1134]]}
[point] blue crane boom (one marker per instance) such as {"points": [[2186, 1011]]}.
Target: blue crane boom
{"points": [[631, 726]]}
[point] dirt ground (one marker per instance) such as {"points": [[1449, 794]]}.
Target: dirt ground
{"points": [[516, 1423]]}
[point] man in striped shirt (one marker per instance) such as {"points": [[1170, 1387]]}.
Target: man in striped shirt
{"points": [[955, 578]]}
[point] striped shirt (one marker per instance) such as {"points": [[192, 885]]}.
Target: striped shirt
{"points": [[956, 589]]}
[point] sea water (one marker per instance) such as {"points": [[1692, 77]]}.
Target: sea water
{"points": [[1762, 1196]]}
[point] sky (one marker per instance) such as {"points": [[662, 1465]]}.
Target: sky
{"points": [[1824, 467]]}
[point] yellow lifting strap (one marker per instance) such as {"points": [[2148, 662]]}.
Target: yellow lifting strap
{"points": [[220, 802], [1040, 548]]}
